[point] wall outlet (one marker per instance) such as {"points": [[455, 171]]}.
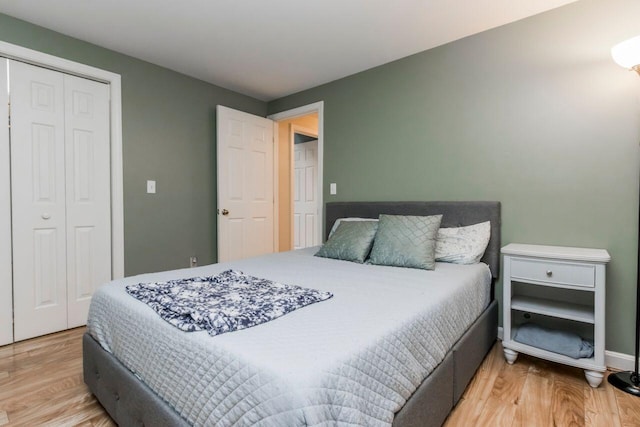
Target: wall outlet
{"points": [[193, 261], [151, 187]]}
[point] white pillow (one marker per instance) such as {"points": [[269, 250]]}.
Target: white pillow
{"points": [[463, 245], [339, 220]]}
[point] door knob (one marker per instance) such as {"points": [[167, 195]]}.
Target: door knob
{"points": [[225, 212], [46, 215]]}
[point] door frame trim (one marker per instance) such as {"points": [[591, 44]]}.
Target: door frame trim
{"points": [[30, 56], [316, 107], [6, 255]]}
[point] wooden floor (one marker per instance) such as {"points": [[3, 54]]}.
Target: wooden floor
{"points": [[41, 384], [533, 392]]}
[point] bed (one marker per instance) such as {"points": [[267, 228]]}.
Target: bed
{"points": [[145, 372]]}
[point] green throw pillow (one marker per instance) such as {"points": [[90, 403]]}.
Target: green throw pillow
{"points": [[406, 241], [351, 241]]}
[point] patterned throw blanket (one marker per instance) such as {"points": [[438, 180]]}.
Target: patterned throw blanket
{"points": [[227, 302]]}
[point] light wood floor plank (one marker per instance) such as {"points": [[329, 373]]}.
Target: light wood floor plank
{"points": [[509, 382], [628, 408], [497, 412], [41, 384], [567, 402], [501, 406], [600, 407], [536, 394], [478, 391]]}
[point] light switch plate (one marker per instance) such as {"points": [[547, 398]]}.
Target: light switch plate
{"points": [[151, 187], [333, 190]]}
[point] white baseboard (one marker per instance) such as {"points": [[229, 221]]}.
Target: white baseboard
{"points": [[618, 361], [613, 360]]}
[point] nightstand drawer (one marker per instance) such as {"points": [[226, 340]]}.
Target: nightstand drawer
{"points": [[553, 272]]}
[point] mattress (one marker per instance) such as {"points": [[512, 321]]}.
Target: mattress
{"points": [[352, 360]]}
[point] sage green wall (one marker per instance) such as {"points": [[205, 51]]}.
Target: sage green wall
{"points": [[168, 131], [534, 114]]}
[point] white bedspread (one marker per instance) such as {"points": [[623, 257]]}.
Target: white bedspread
{"points": [[352, 360]]}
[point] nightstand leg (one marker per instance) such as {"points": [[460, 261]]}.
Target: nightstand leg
{"points": [[511, 356], [594, 378]]}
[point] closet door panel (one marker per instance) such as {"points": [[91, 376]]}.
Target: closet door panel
{"points": [[6, 288], [88, 202], [38, 200]]}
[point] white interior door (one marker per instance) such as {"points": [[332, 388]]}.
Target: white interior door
{"points": [[305, 191], [38, 200], [6, 281], [88, 195], [245, 168]]}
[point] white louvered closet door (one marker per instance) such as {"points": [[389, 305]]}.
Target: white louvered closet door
{"points": [[60, 197]]}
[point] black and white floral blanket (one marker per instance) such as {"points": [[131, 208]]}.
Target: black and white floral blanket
{"points": [[227, 302]]}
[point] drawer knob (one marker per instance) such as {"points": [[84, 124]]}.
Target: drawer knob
{"points": [[549, 273]]}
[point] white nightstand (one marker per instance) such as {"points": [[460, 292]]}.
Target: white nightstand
{"points": [[559, 288]]}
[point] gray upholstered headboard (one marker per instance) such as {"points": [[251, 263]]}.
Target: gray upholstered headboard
{"points": [[454, 214]]}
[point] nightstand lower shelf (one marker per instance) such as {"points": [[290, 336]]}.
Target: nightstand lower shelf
{"points": [[593, 371]]}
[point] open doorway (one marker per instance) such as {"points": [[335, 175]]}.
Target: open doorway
{"points": [[299, 154]]}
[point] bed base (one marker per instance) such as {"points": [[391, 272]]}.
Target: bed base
{"points": [[130, 402]]}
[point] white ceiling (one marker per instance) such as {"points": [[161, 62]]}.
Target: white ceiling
{"points": [[271, 48]]}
